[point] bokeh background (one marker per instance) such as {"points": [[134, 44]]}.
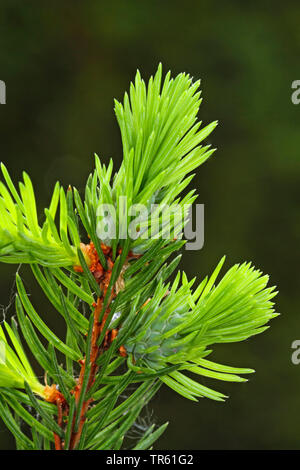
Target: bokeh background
{"points": [[63, 64]]}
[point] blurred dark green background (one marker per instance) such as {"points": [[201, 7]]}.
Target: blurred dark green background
{"points": [[63, 64]]}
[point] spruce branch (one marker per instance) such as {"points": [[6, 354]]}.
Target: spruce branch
{"points": [[129, 329]]}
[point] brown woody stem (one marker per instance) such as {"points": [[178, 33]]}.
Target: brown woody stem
{"points": [[97, 328]]}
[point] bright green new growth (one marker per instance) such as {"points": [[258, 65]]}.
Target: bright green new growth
{"points": [[14, 366], [167, 328]]}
